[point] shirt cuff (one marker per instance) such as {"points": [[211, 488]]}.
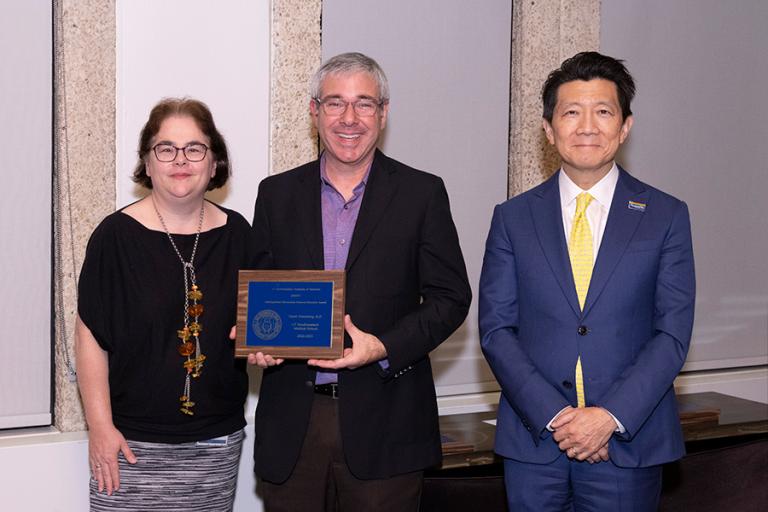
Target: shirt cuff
{"points": [[549, 425], [619, 427]]}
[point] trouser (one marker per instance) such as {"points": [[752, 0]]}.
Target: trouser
{"points": [[322, 481]]}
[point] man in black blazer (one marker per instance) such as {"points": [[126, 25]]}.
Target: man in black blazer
{"points": [[356, 433]]}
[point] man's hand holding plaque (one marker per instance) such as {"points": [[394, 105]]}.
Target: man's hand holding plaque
{"points": [[366, 349]]}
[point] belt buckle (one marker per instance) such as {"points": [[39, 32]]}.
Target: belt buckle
{"points": [[330, 389]]}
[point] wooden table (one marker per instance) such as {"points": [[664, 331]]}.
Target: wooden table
{"points": [[738, 418]]}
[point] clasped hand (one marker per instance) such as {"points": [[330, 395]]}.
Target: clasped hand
{"points": [[583, 433]]}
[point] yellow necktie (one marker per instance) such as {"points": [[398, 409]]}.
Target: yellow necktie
{"points": [[582, 260]]}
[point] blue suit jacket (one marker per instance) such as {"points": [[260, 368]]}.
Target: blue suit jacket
{"points": [[633, 334]]}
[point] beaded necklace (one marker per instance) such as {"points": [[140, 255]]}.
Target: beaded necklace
{"points": [[192, 311]]}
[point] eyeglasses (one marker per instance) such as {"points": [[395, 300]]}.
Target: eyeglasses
{"points": [[364, 107], [168, 152]]}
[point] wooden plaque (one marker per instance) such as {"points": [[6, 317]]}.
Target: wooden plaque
{"points": [[293, 314]]}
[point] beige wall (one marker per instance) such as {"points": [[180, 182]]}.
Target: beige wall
{"points": [[544, 33], [84, 33]]}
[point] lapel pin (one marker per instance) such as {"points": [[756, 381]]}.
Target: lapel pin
{"points": [[634, 205]]}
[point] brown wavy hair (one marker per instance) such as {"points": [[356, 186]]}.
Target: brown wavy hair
{"points": [[198, 111]]}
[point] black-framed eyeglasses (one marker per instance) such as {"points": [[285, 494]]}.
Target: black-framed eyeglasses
{"points": [[192, 152], [364, 107]]}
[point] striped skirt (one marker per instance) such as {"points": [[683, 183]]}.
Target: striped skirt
{"points": [[175, 477]]}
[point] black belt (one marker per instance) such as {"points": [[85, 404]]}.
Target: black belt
{"points": [[331, 389]]}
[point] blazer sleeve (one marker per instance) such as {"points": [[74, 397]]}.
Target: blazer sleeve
{"points": [[635, 395], [532, 397], [443, 286]]}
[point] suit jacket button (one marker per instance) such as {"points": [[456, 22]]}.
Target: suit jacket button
{"points": [[567, 384], [582, 330], [309, 383]]}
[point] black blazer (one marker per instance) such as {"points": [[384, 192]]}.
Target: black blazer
{"points": [[406, 283]]}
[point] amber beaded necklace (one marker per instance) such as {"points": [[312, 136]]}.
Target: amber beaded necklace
{"points": [[191, 329]]}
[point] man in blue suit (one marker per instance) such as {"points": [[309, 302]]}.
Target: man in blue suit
{"points": [[586, 310]]}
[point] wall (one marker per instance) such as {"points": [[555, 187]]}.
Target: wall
{"points": [[25, 218], [700, 134], [84, 124], [220, 56]]}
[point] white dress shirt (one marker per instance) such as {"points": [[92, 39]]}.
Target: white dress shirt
{"points": [[597, 216], [597, 211]]}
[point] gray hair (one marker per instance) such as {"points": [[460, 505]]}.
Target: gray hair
{"points": [[352, 62]]}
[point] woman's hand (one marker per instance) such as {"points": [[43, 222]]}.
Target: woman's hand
{"points": [[104, 445], [259, 359], [105, 442]]}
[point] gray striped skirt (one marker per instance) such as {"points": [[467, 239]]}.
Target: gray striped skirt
{"points": [[175, 477]]}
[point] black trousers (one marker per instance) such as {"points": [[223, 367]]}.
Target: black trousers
{"points": [[322, 482]]}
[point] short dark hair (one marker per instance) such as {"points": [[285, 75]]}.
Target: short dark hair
{"points": [[589, 66], [198, 111]]}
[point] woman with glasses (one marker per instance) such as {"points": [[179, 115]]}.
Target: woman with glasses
{"points": [[162, 392]]}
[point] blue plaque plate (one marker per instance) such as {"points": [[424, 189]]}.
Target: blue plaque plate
{"points": [[291, 314]]}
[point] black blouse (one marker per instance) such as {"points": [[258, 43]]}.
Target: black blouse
{"points": [[131, 296]]}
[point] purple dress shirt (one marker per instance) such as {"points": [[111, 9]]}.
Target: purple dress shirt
{"points": [[339, 218]]}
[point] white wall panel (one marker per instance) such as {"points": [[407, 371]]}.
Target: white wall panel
{"points": [[231, 41], [700, 133], [26, 92]]}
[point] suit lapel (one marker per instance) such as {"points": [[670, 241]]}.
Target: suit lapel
{"points": [[379, 191], [548, 222], [309, 213], [619, 230]]}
